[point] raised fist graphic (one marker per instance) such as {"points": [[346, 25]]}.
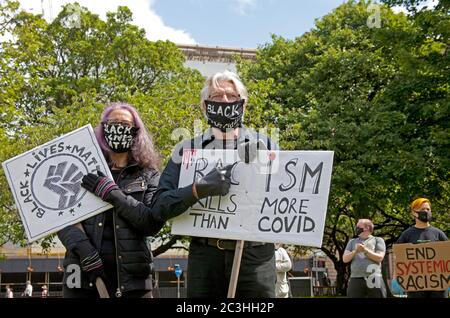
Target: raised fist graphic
{"points": [[65, 182]]}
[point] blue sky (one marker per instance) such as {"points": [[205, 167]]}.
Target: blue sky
{"points": [[244, 23], [229, 23]]}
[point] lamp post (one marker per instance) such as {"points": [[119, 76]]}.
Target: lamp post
{"points": [[315, 265], [178, 271]]}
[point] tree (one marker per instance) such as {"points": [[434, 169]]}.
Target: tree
{"points": [[57, 76], [377, 97], [411, 5]]}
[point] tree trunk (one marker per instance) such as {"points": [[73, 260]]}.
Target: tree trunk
{"points": [[342, 277]]}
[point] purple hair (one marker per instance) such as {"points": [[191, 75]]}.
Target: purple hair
{"points": [[142, 149]]}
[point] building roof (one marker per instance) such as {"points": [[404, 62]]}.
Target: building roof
{"points": [[215, 53], [209, 60]]}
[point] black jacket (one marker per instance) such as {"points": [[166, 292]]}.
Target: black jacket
{"points": [[134, 259]]}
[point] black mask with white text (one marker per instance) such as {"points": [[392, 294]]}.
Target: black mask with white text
{"points": [[225, 115], [119, 137]]}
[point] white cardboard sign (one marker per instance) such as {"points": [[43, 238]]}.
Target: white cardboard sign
{"points": [[46, 182], [280, 197]]}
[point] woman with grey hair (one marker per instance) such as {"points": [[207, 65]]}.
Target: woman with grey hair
{"points": [[223, 102], [228, 88]]}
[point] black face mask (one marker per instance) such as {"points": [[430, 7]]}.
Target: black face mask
{"points": [[119, 137], [424, 216], [358, 230], [225, 115]]}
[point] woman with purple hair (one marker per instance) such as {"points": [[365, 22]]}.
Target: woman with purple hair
{"points": [[112, 245]]}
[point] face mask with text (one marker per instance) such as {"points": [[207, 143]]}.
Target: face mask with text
{"points": [[225, 115], [119, 137]]}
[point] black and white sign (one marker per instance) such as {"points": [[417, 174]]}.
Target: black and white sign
{"points": [[281, 197], [46, 182]]}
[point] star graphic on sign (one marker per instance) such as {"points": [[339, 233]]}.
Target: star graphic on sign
{"points": [[72, 211], [60, 213], [27, 173], [68, 147], [79, 205]]}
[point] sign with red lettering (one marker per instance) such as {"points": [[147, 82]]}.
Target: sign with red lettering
{"points": [[421, 267], [280, 196], [46, 182]]}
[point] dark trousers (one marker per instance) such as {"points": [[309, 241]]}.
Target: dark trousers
{"points": [[427, 294], [357, 288], [209, 271]]}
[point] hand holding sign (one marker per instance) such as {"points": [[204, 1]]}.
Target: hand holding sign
{"points": [[92, 265], [99, 184], [216, 182]]}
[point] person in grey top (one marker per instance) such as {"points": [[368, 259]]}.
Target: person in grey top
{"points": [[365, 252]]}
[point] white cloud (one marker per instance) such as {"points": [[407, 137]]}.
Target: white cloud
{"points": [[242, 6], [143, 15]]}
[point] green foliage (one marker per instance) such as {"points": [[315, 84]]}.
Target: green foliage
{"points": [[56, 78], [411, 5]]}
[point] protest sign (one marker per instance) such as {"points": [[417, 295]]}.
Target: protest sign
{"points": [[425, 266], [281, 197], [46, 182]]}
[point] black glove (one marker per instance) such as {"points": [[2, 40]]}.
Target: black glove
{"points": [[92, 266], [216, 182], [99, 184]]}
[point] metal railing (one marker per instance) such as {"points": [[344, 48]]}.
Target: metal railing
{"points": [[320, 291], [169, 292]]}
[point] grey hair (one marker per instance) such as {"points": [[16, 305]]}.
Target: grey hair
{"points": [[225, 76]]}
